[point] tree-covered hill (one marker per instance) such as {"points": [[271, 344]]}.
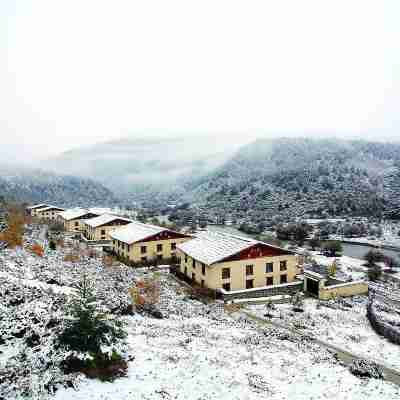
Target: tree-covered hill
{"points": [[303, 177], [36, 186]]}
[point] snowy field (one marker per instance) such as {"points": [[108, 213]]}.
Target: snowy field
{"points": [[197, 351], [346, 327]]}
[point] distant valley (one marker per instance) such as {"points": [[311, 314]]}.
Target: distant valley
{"points": [[257, 181]]}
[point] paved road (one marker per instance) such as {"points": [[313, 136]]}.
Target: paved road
{"points": [[343, 355]]}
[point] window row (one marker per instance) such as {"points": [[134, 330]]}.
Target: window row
{"points": [[250, 282], [269, 267], [143, 249]]}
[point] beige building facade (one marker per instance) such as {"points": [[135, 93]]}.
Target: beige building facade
{"points": [[74, 219], [33, 210], [99, 228], [49, 213], [221, 261], [138, 242]]}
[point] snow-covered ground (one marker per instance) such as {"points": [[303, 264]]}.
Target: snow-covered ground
{"points": [[197, 351], [203, 358], [346, 327]]}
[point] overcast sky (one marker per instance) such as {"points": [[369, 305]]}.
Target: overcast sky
{"points": [[79, 71]]}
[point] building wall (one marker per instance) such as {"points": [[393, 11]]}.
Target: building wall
{"points": [[212, 278], [50, 215], [75, 225], [34, 212], [344, 290], [133, 252], [97, 233]]}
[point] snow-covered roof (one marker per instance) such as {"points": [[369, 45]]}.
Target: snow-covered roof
{"points": [[73, 213], [37, 206], [135, 232], [104, 219], [51, 208], [211, 247]]}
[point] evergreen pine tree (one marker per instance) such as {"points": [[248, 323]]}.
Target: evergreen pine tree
{"points": [[87, 330]]}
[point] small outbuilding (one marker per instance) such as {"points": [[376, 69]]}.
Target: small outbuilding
{"points": [[325, 287]]}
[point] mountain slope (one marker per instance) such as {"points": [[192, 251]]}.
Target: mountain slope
{"points": [[141, 167], [303, 177], [36, 186]]}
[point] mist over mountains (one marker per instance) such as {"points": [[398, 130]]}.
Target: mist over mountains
{"points": [[131, 165], [258, 180]]}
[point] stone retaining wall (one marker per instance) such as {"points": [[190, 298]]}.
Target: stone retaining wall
{"points": [[266, 291], [381, 327]]}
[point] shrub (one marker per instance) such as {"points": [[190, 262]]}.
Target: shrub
{"points": [[332, 248], [373, 257], [146, 291], [37, 249], [107, 260]]}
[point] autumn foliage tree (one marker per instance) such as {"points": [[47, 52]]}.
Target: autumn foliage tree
{"points": [[14, 232]]}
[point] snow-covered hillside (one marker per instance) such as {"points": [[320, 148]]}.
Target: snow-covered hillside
{"points": [[197, 351]]}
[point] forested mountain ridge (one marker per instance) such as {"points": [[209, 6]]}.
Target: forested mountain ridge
{"points": [[303, 177], [37, 186]]}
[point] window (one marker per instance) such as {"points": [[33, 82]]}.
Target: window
{"points": [[203, 269], [173, 246], [283, 265], [226, 273], [129, 247], [194, 263], [185, 270], [143, 249], [284, 278], [159, 247], [202, 283], [144, 258], [226, 286], [193, 277], [269, 267], [249, 283], [159, 256], [186, 258], [103, 232], [270, 281], [249, 270], [123, 246], [76, 223]]}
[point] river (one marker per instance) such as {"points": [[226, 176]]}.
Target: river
{"points": [[350, 250], [357, 251]]}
